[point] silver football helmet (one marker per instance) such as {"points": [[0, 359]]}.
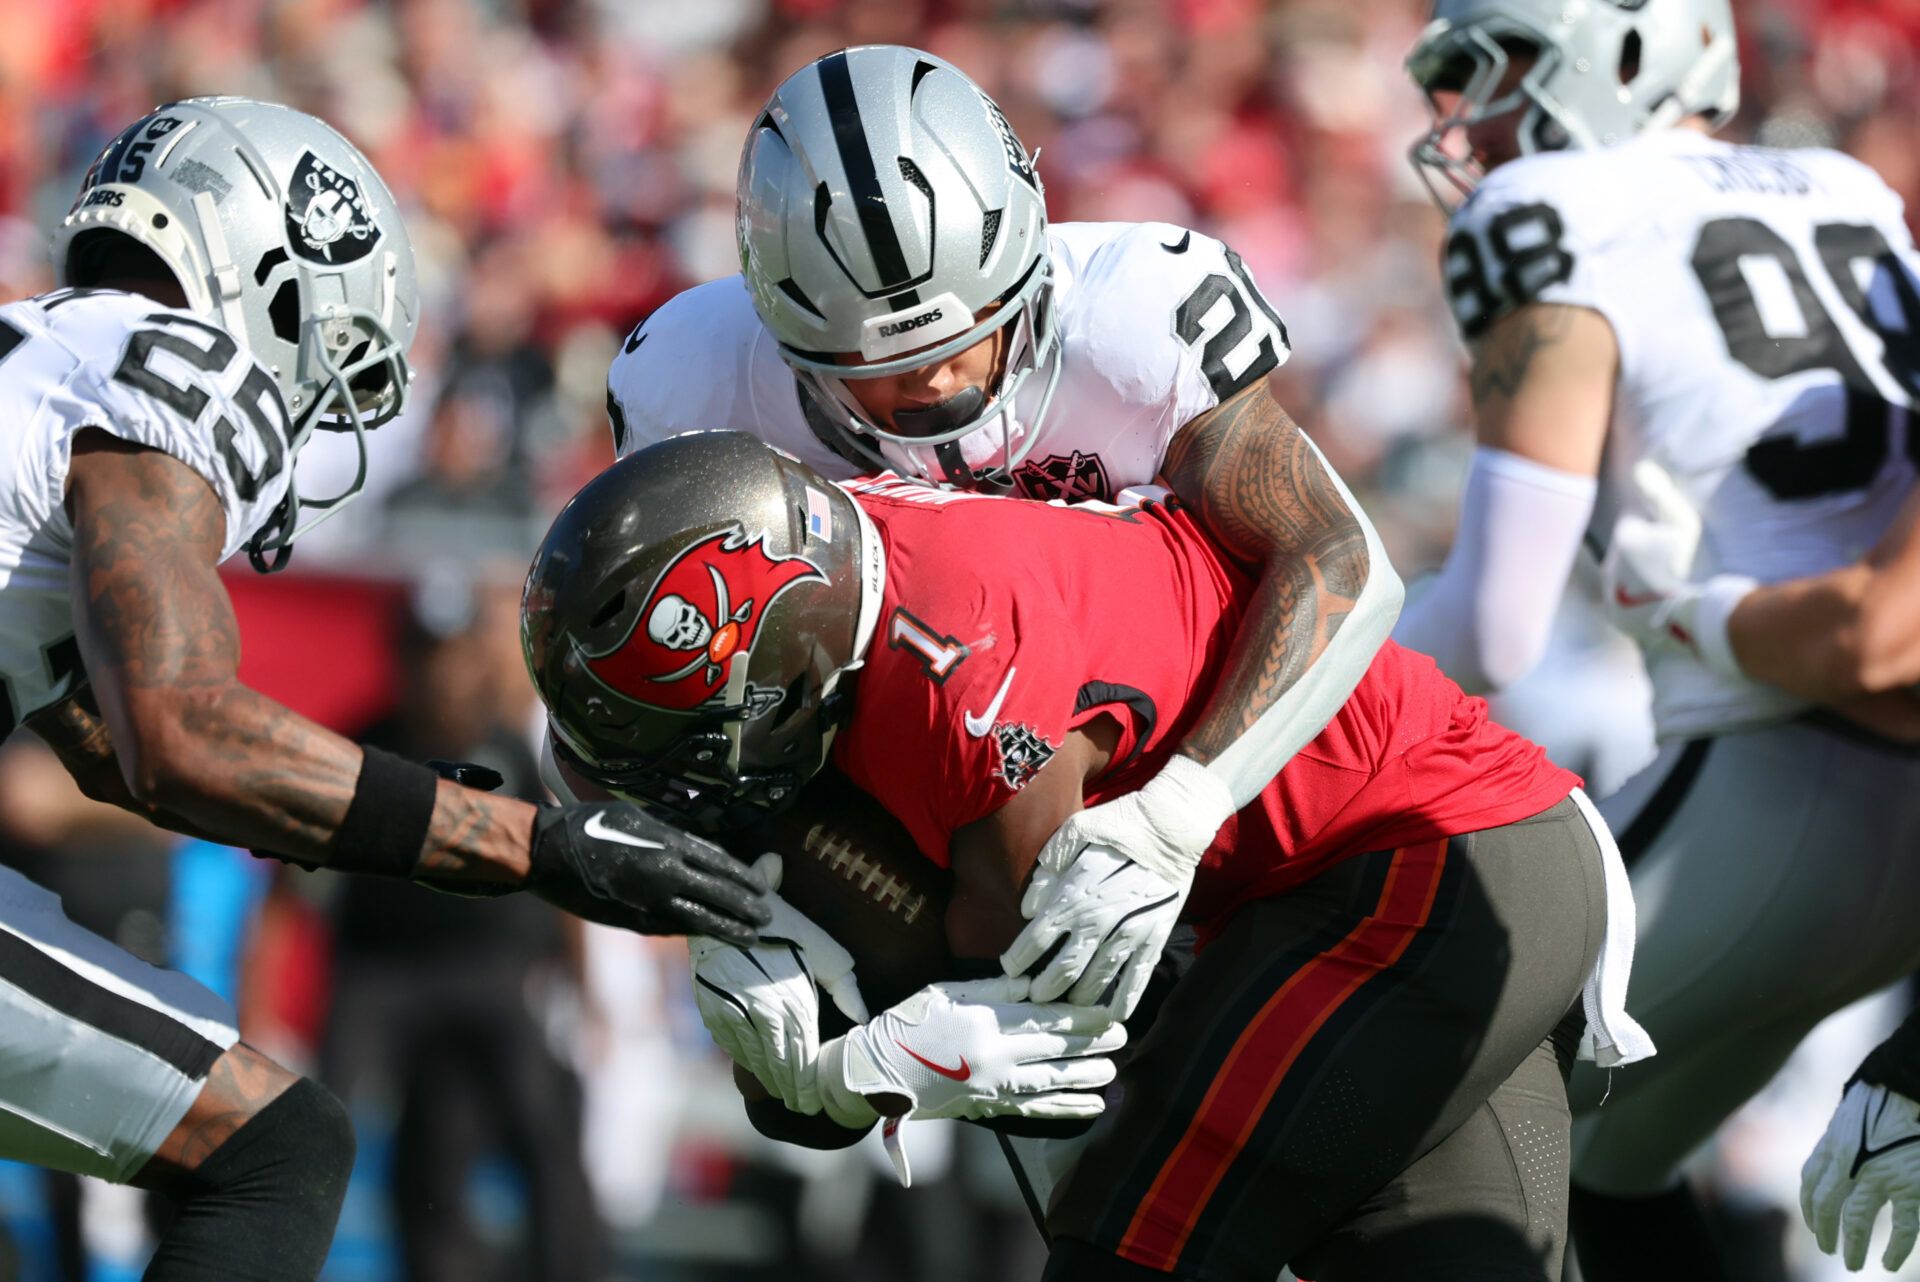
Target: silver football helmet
{"points": [[280, 232], [1603, 71], [889, 214]]}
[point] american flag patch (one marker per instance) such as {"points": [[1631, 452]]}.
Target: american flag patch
{"points": [[819, 515]]}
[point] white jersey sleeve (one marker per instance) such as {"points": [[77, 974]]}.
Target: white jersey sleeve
{"points": [[148, 374], [1537, 231], [703, 362], [1159, 324]]}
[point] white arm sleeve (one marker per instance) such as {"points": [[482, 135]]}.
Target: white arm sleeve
{"points": [[1485, 618], [1249, 763]]}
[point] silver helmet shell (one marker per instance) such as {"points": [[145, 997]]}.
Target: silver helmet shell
{"points": [[1603, 72], [888, 215], [279, 231]]}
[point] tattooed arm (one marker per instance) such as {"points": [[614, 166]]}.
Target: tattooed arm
{"points": [[1111, 880], [195, 749], [1327, 595], [1542, 383]]}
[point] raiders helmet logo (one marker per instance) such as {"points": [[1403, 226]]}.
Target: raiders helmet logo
{"points": [[1074, 478], [327, 218], [700, 617]]}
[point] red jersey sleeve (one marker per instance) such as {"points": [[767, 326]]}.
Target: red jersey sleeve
{"points": [[966, 696]]}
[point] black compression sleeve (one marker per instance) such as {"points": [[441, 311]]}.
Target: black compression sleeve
{"points": [[1895, 1063]]}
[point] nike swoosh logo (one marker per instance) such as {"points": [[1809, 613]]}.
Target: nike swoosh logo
{"points": [[596, 827], [633, 342], [959, 1074], [978, 726], [1629, 601], [1181, 247]]}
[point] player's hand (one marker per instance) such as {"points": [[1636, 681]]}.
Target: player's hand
{"points": [[972, 1050], [1645, 587], [614, 863], [1111, 883], [1870, 1155], [762, 1003]]}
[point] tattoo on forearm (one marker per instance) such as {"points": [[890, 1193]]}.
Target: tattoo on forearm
{"points": [[1262, 492], [156, 624], [159, 631], [1502, 359]]}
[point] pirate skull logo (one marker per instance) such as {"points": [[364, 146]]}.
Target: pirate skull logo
{"points": [[701, 616]]}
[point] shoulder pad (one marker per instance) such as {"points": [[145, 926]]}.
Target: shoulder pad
{"points": [[1530, 230], [1159, 304], [685, 367]]}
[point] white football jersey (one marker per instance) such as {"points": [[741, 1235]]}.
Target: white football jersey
{"points": [[1158, 324], [1766, 309], [145, 373]]}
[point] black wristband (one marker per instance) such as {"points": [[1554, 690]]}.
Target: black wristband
{"points": [[387, 821]]}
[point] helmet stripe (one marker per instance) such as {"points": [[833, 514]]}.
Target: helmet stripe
{"points": [[863, 182]]}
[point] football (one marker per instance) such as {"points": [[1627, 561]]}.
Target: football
{"points": [[852, 868]]}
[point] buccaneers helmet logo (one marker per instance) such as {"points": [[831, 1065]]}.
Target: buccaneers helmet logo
{"points": [[701, 615]]}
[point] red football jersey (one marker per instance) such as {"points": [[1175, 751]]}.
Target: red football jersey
{"points": [[1007, 623]]}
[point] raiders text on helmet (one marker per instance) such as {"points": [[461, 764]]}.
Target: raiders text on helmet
{"points": [[1603, 71], [280, 231], [889, 215], [688, 622]]}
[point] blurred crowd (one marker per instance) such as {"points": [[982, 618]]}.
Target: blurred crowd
{"points": [[566, 166]]}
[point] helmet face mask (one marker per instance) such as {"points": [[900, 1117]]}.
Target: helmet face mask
{"points": [[1600, 72], [888, 213], [983, 448], [279, 231], [690, 621]]}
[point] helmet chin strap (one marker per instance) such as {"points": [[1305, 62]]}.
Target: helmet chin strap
{"points": [[956, 411], [961, 408]]}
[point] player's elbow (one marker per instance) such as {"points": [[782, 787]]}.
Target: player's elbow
{"points": [[1503, 660], [1884, 653], [162, 757]]}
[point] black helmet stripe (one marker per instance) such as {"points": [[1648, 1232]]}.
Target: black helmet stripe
{"points": [[863, 181]]}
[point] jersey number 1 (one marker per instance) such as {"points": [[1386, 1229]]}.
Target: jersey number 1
{"points": [[1728, 258]]}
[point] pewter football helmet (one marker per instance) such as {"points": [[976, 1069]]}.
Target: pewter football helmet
{"points": [[689, 621], [280, 232], [888, 214], [1603, 71]]}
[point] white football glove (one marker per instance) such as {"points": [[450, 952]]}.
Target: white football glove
{"points": [[1644, 577], [1112, 881], [1870, 1155], [762, 1004], [971, 1050]]}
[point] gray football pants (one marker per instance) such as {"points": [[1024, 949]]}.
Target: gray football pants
{"points": [[1777, 877]]}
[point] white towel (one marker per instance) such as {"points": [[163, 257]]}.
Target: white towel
{"points": [[1612, 1037]]}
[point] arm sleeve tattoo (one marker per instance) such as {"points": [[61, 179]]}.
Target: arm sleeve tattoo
{"points": [[1327, 595]]}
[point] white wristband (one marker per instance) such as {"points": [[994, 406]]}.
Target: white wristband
{"points": [[1711, 641]]}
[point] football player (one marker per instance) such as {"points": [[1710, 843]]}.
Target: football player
{"points": [[904, 304], [1848, 639], [1358, 1076], [236, 276], [1670, 333]]}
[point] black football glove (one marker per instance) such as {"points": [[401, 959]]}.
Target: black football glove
{"points": [[613, 863]]}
